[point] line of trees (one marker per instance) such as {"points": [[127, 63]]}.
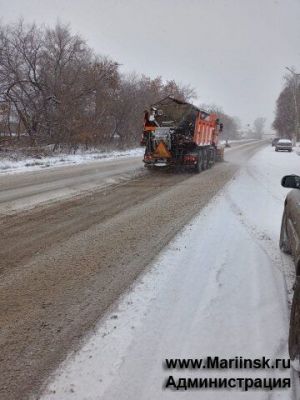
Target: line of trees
{"points": [[285, 122], [55, 90]]}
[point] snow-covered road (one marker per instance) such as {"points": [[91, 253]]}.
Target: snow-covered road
{"points": [[221, 288]]}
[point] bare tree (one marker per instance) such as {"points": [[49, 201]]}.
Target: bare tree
{"points": [[258, 127], [64, 94], [285, 122], [19, 74]]}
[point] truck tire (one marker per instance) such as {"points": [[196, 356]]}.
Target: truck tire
{"points": [[205, 160], [198, 166], [212, 158]]}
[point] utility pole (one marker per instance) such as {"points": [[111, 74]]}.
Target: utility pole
{"points": [[295, 76]]}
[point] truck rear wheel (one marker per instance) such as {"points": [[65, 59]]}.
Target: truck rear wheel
{"points": [[205, 160], [199, 165], [212, 158]]}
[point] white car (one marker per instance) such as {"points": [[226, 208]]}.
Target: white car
{"points": [[284, 144]]}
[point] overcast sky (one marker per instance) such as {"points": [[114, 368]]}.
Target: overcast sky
{"points": [[233, 52]]}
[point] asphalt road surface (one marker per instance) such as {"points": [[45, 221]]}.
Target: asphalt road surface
{"points": [[93, 229]]}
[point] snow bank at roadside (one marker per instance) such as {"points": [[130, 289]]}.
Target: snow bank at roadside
{"points": [[223, 141], [18, 164], [220, 289], [9, 165]]}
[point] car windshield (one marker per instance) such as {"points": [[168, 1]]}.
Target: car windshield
{"points": [[284, 141]]}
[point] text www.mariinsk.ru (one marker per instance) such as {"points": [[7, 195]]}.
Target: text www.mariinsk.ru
{"points": [[229, 383], [214, 362]]}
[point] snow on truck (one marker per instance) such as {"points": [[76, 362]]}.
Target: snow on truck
{"points": [[177, 133]]}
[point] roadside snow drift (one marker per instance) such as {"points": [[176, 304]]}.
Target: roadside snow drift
{"points": [[9, 165], [221, 288]]}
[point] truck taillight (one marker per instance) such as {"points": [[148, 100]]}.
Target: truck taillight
{"points": [[190, 158]]}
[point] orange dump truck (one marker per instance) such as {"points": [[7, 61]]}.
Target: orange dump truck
{"points": [[177, 133]]}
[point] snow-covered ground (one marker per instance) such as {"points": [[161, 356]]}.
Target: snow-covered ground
{"points": [[17, 164], [221, 288], [9, 165]]}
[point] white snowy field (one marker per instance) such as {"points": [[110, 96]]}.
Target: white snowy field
{"points": [[9, 165], [221, 288]]}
